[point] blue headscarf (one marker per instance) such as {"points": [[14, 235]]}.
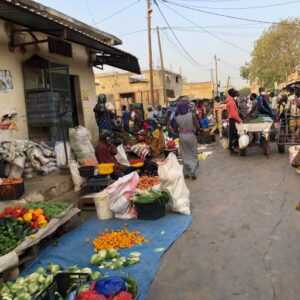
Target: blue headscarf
{"points": [[183, 107]]}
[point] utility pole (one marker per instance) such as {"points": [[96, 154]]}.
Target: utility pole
{"points": [[149, 27], [212, 80], [228, 83], [217, 75], [162, 66]]}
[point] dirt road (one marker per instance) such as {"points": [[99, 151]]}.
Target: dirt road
{"points": [[244, 243]]}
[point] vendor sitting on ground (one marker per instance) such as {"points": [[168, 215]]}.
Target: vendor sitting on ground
{"points": [[105, 153]]}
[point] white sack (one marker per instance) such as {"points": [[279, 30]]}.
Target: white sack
{"points": [[77, 179], [172, 180], [121, 156], [120, 193]]}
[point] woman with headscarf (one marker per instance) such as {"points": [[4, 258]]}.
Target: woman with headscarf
{"points": [[187, 126]]}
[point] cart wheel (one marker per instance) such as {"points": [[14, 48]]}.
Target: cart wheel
{"points": [[281, 148], [243, 152]]}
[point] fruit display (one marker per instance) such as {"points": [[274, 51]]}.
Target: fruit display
{"points": [[34, 217], [148, 182], [51, 209], [118, 239]]}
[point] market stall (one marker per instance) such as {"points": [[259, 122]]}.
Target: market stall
{"points": [[24, 226]]}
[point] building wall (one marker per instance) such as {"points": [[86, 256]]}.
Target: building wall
{"points": [[116, 84], [198, 90], [15, 99]]}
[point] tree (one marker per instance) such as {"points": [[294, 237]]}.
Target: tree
{"points": [[276, 54], [245, 71], [245, 91]]}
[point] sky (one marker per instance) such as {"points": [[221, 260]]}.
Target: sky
{"points": [[201, 35]]}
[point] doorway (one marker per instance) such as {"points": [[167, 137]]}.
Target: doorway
{"points": [[75, 95]]}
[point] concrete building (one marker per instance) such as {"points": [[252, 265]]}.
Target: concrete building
{"points": [[199, 90], [46, 65], [126, 88]]}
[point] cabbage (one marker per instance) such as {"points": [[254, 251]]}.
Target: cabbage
{"points": [[23, 296], [41, 279], [95, 275], [112, 253], [103, 254], [54, 268], [48, 280], [33, 277], [96, 259], [33, 288], [86, 271]]}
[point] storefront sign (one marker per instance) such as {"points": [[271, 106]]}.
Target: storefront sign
{"points": [[6, 83]]}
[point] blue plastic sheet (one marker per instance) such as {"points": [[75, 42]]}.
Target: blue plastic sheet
{"points": [[75, 248]]}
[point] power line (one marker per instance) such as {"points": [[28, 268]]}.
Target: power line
{"points": [[175, 36], [119, 11], [250, 7], [217, 14], [176, 47], [205, 30], [186, 29]]}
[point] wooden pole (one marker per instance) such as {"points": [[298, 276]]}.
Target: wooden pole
{"points": [[149, 24], [217, 75], [162, 66]]}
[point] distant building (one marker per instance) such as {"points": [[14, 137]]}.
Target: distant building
{"points": [[126, 88], [199, 90]]}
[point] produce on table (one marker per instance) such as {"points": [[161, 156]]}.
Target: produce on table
{"points": [[7, 181], [112, 259], [148, 182], [151, 196], [35, 217], [171, 144], [51, 209], [12, 233], [118, 239], [37, 282]]}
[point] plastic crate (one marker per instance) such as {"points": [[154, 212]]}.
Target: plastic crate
{"points": [[97, 184], [11, 191], [87, 171], [63, 284]]}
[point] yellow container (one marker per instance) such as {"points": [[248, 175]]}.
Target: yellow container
{"points": [[106, 169]]}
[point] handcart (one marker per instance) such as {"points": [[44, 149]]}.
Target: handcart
{"points": [[260, 130]]}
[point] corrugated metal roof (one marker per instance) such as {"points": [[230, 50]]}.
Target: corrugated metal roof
{"points": [[66, 21]]}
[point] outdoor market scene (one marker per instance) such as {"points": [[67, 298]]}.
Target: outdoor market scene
{"points": [[124, 179]]}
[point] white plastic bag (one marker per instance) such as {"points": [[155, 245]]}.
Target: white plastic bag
{"points": [[121, 156], [77, 179], [61, 155], [120, 193], [244, 141], [80, 140], [172, 180]]}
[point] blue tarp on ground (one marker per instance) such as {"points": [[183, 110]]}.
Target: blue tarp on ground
{"points": [[75, 248]]}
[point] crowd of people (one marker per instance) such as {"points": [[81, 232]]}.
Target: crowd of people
{"points": [[187, 120]]}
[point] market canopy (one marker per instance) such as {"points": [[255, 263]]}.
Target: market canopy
{"points": [[38, 18]]}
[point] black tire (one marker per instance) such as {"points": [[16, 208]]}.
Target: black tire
{"points": [[281, 148], [243, 152]]}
